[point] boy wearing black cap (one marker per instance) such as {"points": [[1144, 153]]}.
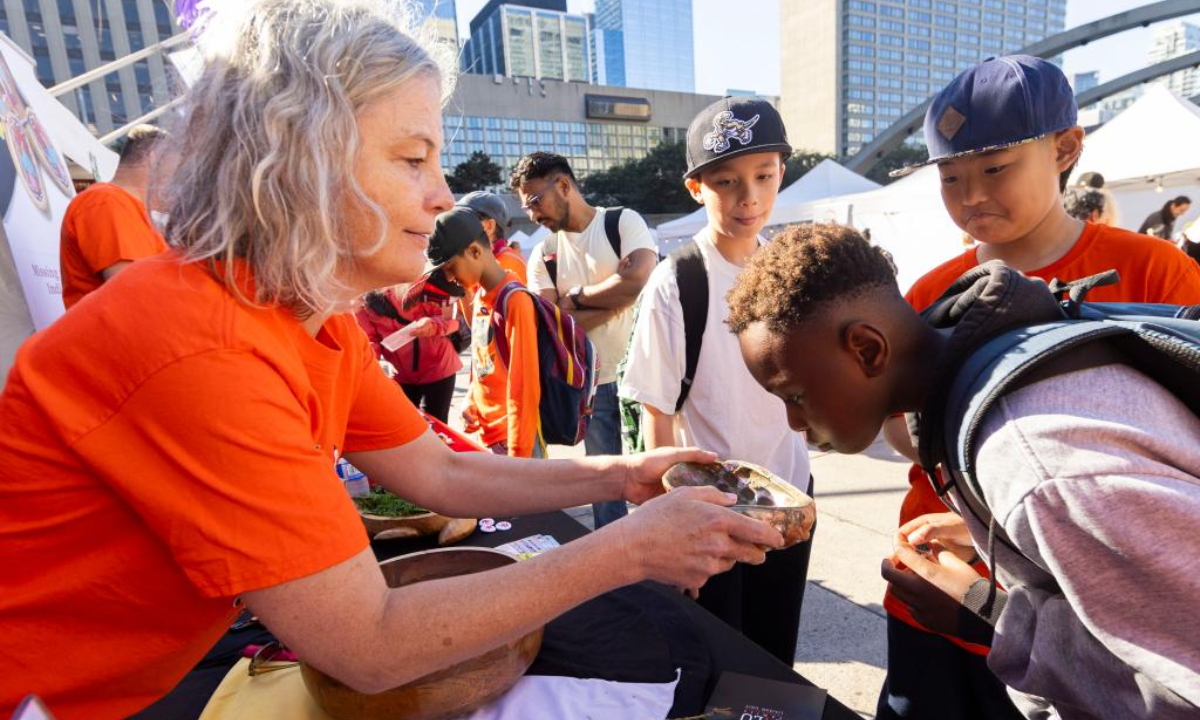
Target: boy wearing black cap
{"points": [[504, 397], [494, 215], [1004, 136], [735, 150]]}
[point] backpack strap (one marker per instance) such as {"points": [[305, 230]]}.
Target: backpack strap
{"points": [[550, 258], [499, 312], [692, 279], [612, 228]]}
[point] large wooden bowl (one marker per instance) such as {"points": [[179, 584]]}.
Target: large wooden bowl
{"points": [[458, 689], [789, 511]]}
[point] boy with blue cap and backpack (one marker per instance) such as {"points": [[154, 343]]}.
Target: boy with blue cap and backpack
{"points": [[1005, 137], [685, 371], [1068, 438]]}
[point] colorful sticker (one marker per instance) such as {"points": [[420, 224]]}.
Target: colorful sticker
{"points": [[9, 93], [25, 158], [55, 164]]}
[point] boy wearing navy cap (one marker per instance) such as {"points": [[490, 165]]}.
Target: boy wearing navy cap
{"points": [[685, 370], [1004, 136]]}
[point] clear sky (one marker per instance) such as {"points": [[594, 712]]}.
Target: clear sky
{"points": [[737, 43]]}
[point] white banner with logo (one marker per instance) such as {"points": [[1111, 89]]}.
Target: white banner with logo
{"points": [[39, 134]]}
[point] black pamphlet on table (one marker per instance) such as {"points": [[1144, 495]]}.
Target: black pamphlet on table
{"points": [[744, 697]]}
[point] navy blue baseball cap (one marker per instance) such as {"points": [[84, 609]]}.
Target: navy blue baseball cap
{"points": [[999, 103]]}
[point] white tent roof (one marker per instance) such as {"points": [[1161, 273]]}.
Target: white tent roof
{"points": [[826, 180], [1154, 137], [906, 218]]}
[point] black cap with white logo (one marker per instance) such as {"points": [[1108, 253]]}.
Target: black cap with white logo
{"points": [[734, 126]]}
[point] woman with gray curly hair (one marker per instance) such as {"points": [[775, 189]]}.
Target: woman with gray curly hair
{"points": [[170, 443]]}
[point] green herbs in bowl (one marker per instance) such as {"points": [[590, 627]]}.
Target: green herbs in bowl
{"points": [[385, 504]]}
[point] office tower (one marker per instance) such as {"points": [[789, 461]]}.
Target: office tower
{"points": [[1170, 41], [1082, 82], [442, 19], [645, 44], [851, 68], [69, 37], [536, 39]]}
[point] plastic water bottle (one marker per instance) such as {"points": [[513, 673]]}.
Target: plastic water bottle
{"points": [[353, 478]]}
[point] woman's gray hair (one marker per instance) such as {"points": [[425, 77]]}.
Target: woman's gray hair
{"points": [[269, 141]]}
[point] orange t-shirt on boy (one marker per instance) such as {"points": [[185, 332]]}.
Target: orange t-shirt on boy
{"points": [[103, 225], [165, 451], [1151, 271], [507, 396]]}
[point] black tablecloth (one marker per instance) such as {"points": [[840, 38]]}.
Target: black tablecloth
{"points": [[641, 633]]}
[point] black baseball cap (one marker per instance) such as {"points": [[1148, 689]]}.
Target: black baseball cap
{"points": [[453, 231], [999, 103], [731, 127]]}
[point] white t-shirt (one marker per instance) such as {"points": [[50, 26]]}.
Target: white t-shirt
{"points": [[727, 411], [586, 258]]}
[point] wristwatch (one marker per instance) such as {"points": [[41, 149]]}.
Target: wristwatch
{"points": [[573, 295]]}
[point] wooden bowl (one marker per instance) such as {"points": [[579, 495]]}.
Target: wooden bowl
{"points": [[789, 511], [447, 693]]}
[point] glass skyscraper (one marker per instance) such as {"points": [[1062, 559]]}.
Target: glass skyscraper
{"points": [[864, 64], [442, 15], [543, 41], [645, 44]]}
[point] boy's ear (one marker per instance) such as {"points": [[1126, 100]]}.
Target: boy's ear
{"points": [[693, 186], [869, 347], [1068, 145]]}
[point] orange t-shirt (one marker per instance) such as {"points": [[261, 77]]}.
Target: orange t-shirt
{"points": [[165, 451], [507, 397], [103, 225], [514, 262], [1151, 271]]}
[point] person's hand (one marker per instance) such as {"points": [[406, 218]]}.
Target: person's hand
{"points": [[929, 606], [644, 471], [689, 535], [423, 327], [945, 529], [470, 417], [941, 567]]}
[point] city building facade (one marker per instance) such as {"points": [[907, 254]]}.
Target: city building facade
{"points": [[860, 65], [67, 38], [595, 127], [441, 21], [1170, 41], [645, 44], [535, 39]]}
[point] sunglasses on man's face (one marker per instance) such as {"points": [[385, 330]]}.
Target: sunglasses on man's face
{"points": [[533, 203]]}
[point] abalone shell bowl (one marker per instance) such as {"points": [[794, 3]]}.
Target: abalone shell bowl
{"points": [[761, 495], [454, 691]]}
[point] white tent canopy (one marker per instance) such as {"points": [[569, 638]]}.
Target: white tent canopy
{"points": [[1151, 145], [826, 180]]}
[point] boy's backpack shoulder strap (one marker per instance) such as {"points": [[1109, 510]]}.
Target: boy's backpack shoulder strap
{"points": [[612, 228], [692, 279], [500, 312]]}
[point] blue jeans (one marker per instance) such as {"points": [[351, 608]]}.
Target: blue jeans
{"points": [[604, 438]]}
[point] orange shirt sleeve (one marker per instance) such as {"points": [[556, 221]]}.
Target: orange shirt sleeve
{"points": [[215, 454], [524, 381], [382, 416], [512, 261], [109, 231]]}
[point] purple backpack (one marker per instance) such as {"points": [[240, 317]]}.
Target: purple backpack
{"points": [[567, 366]]}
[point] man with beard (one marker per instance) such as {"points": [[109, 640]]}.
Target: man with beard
{"points": [[593, 266]]}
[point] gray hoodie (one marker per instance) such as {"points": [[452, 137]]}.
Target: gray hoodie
{"points": [[1095, 475]]}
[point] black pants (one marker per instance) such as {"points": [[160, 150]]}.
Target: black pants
{"points": [[434, 398], [931, 678], [763, 602]]}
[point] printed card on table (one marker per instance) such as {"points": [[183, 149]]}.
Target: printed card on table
{"points": [[742, 697]]}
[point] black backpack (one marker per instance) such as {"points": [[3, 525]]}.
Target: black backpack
{"points": [[692, 279], [1011, 331]]}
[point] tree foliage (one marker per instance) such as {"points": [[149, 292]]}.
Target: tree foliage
{"points": [[801, 161], [652, 184], [475, 173]]}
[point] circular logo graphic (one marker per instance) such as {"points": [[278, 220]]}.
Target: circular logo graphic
{"points": [[55, 164], [20, 146]]}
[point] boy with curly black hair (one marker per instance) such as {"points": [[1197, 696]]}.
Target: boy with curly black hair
{"points": [[1093, 474]]}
